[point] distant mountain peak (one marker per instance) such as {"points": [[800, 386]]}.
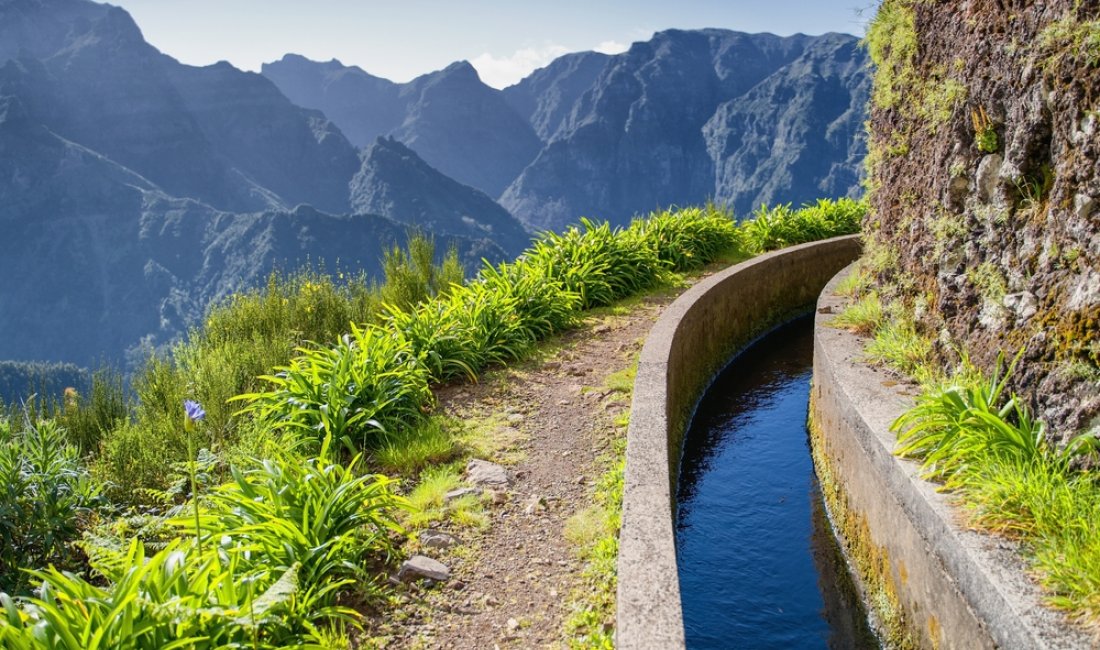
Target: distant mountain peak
{"points": [[397, 183]]}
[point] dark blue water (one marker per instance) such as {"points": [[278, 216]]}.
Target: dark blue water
{"points": [[759, 566]]}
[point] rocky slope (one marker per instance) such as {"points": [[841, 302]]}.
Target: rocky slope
{"points": [[691, 115], [545, 98], [394, 182], [984, 154]]}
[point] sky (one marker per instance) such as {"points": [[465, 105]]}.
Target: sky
{"points": [[504, 39]]}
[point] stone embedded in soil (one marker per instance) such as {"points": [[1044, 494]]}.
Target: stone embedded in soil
{"points": [[422, 566], [458, 493], [534, 505], [482, 472], [437, 539]]}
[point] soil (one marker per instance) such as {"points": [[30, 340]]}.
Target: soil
{"points": [[511, 585]]}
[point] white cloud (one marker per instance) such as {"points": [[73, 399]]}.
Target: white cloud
{"points": [[611, 47], [499, 72], [503, 71]]}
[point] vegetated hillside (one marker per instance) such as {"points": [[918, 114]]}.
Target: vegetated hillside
{"points": [[48, 381], [984, 219], [678, 119], [135, 189], [396, 183]]}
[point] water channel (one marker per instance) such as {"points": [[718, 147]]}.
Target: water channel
{"points": [[758, 563]]}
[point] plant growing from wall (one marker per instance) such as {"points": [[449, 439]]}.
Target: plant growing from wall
{"points": [[985, 135]]}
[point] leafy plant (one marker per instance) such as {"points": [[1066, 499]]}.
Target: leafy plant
{"points": [[948, 428], [370, 381], [46, 496], [985, 134], [687, 239], [779, 226], [324, 518]]}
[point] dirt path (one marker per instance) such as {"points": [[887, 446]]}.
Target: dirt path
{"points": [[510, 584]]}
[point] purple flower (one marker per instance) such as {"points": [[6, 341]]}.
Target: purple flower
{"points": [[193, 410]]}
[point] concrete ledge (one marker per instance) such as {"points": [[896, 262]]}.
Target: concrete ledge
{"points": [[931, 583], [693, 339]]}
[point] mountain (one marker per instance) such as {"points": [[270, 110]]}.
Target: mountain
{"points": [[545, 98], [135, 190], [798, 135], [217, 134], [466, 129], [684, 117], [364, 106], [452, 120], [694, 115], [395, 182]]}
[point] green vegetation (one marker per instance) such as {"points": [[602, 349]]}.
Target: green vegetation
{"points": [[863, 316], [1070, 39], [985, 135], [993, 455], [273, 516], [44, 495], [892, 43], [19, 380], [595, 532]]}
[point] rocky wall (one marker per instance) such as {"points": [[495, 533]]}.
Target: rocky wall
{"points": [[985, 189]]}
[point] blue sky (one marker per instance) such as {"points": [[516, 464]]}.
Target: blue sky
{"points": [[504, 39]]}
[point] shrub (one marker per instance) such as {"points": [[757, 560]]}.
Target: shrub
{"points": [[87, 419], [45, 497], [687, 239], [413, 277], [772, 228], [371, 380], [597, 263], [322, 518]]}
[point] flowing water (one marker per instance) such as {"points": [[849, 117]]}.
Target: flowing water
{"points": [[759, 566]]}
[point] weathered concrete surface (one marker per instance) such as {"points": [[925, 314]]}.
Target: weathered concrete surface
{"points": [[693, 339], [942, 586]]}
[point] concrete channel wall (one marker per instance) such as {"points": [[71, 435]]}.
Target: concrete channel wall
{"points": [[931, 583], [689, 344]]}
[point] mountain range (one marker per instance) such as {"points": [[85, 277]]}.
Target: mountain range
{"points": [[687, 116], [135, 190]]}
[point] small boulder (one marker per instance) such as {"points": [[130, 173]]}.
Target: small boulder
{"points": [[482, 472], [422, 566], [437, 539]]}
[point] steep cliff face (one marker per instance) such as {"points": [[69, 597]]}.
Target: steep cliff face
{"points": [[984, 147], [691, 115], [545, 98]]}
